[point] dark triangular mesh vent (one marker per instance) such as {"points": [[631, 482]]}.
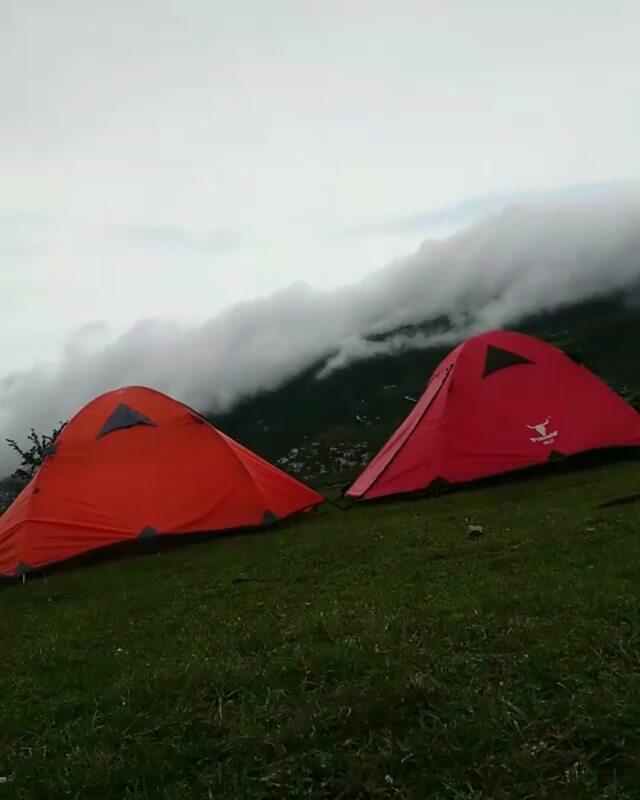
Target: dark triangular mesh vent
{"points": [[497, 359], [269, 518], [148, 533], [123, 417]]}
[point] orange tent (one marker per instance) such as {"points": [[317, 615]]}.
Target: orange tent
{"points": [[136, 464]]}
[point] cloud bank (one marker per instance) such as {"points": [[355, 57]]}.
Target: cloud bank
{"points": [[522, 260]]}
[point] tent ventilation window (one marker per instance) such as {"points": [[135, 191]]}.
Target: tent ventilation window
{"points": [[497, 359], [124, 417]]}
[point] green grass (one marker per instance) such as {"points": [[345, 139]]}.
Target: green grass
{"points": [[378, 653]]}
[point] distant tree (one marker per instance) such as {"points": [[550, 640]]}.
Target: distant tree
{"points": [[38, 448]]}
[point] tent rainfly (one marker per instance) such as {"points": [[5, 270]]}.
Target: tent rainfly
{"points": [[136, 464], [499, 402]]}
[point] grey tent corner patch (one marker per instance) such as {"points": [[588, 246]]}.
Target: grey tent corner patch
{"points": [[269, 518], [124, 417], [148, 533]]}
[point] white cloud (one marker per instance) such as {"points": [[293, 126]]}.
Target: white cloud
{"points": [[283, 121], [513, 263], [170, 158]]}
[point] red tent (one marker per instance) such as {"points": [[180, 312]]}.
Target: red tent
{"points": [[499, 402], [137, 464]]}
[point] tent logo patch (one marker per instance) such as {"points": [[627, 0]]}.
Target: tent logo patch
{"points": [[544, 436]]}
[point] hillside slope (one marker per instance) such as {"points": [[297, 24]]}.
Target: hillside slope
{"points": [[379, 653], [330, 427]]}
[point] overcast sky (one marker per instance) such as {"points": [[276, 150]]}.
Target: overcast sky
{"points": [[168, 158]]}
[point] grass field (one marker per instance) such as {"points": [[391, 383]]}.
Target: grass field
{"points": [[379, 653]]}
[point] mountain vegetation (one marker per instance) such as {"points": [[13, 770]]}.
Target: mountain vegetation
{"points": [[31, 455]]}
